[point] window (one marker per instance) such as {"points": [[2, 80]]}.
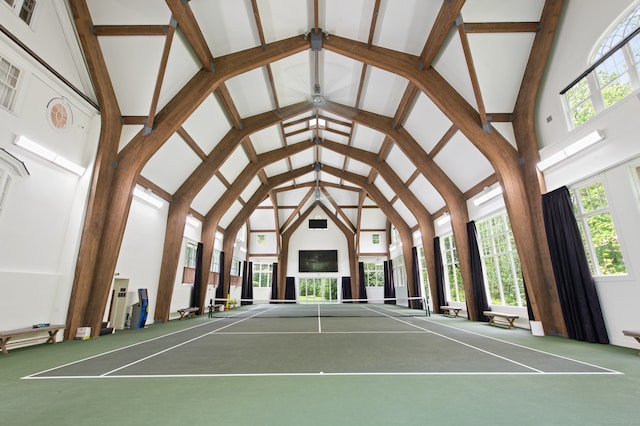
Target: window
{"points": [[190, 255], [399, 272], [598, 231], [375, 238], [262, 273], [5, 181], [9, 2], [27, 9], [235, 267], [261, 239], [424, 276], [318, 289], [9, 75], [500, 261], [215, 261], [374, 274], [613, 75], [452, 276]]}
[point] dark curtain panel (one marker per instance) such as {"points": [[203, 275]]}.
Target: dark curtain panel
{"points": [[247, 284], [415, 304], [220, 296], [576, 288], [274, 282], [362, 286], [346, 289], [389, 287], [477, 277], [437, 254], [197, 282], [526, 297], [290, 290]]}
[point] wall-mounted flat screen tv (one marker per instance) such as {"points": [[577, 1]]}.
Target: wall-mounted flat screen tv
{"points": [[318, 261], [317, 223]]}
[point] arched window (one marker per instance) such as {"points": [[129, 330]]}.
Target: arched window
{"points": [[613, 75]]}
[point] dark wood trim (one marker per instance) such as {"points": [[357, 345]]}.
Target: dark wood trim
{"points": [[131, 30], [501, 27]]}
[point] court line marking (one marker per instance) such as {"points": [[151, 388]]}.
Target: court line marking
{"points": [[323, 374], [520, 346]]}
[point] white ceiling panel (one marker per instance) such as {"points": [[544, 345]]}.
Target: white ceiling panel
{"points": [[134, 90], [366, 138], [208, 195], [373, 219], [383, 91], [335, 137], [302, 159], [250, 92], [506, 130], [227, 25], [326, 177], [343, 197], [293, 197], [406, 28], [251, 188], [267, 139], [128, 132], [284, 19], [181, 67], [126, 12], [352, 214], [331, 158], [262, 219], [384, 187], [426, 123], [163, 169], [464, 170], [283, 215], [292, 78], [357, 167], [230, 214], [276, 168], [427, 194], [338, 74], [405, 213], [349, 19], [452, 65], [234, 165], [208, 124], [400, 163], [300, 137], [502, 10], [500, 62]]}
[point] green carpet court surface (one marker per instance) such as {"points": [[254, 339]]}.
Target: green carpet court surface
{"points": [[276, 365]]}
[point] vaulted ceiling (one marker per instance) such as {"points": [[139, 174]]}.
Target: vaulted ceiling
{"points": [[325, 122]]}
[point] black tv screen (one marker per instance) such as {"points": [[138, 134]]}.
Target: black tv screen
{"points": [[318, 261], [317, 223]]}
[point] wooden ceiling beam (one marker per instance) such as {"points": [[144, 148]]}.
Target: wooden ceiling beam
{"points": [[339, 211], [444, 23], [501, 27], [473, 76], [191, 30], [405, 104], [296, 211], [162, 68], [131, 30], [443, 141], [223, 95], [186, 137]]}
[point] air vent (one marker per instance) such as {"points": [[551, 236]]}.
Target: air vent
{"points": [[317, 223]]}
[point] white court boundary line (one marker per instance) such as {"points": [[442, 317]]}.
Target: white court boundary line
{"points": [[109, 375]]}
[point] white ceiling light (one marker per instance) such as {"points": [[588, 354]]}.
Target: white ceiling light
{"points": [[574, 148], [487, 195], [42, 152], [147, 196]]}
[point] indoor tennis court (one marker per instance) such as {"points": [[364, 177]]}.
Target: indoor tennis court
{"points": [[310, 340]]}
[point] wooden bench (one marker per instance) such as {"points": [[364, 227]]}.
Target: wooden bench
{"points": [[508, 317], [450, 311], [51, 329], [632, 333], [187, 312]]}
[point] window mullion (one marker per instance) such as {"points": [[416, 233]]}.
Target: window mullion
{"points": [[596, 93]]}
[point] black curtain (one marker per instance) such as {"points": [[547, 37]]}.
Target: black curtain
{"points": [[362, 285], [290, 290], [526, 297], [274, 282], [415, 304], [439, 284], [477, 277], [346, 289], [220, 296], [576, 289], [389, 287], [197, 281], [247, 284]]}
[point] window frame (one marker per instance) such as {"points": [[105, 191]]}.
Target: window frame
{"points": [[450, 259], [262, 270], [377, 271], [11, 104]]}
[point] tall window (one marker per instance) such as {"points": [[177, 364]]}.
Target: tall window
{"points": [[9, 75], [27, 9], [597, 229], [318, 289], [374, 274], [451, 265], [399, 272], [613, 75], [500, 261], [215, 261], [190, 255], [5, 182], [423, 271], [235, 267], [262, 273]]}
